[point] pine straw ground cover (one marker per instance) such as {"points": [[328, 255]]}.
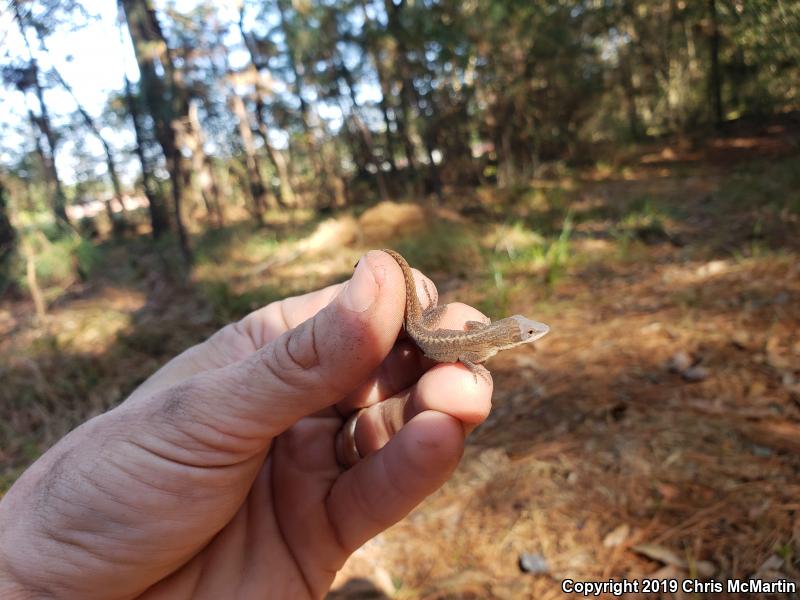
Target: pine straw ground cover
{"points": [[605, 463], [654, 433]]}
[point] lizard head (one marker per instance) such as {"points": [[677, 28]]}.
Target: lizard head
{"points": [[529, 331]]}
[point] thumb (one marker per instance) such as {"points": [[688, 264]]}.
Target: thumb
{"points": [[306, 369]]}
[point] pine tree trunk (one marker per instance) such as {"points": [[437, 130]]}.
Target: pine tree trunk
{"points": [[407, 91], [166, 99], [159, 222], [116, 223], [287, 195], [203, 173], [255, 181], [714, 76], [8, 240], [322, 172], [58, 198], [626, 79], [366, 134]]}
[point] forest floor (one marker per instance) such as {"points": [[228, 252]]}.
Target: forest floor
{"points": [[655, 433]]}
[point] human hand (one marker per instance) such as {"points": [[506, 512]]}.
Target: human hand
{"points": [[218, 476]]}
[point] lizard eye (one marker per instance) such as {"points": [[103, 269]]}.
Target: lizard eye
{"points": [[530, 331]]}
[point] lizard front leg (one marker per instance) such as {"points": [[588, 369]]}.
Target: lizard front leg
{"points": [[476, 325]]}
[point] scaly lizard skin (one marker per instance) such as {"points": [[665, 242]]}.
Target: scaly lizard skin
{"points": [[476, 344]]}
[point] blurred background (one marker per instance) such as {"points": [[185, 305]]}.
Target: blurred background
{"points": [[624, 170]]}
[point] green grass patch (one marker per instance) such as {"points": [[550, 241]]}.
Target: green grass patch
{"points": [[444, 247], [644, 221], [519, 253], [549, 255]]}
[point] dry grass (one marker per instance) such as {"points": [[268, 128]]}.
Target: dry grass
{"points": [[603, 454]]}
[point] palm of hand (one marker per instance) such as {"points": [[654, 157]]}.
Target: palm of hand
{"points": [[283, 526]]}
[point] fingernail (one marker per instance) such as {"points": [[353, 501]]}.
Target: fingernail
{"points": [[362, 289]]}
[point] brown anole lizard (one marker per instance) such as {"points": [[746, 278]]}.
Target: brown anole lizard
{"points": [[475, 344]]}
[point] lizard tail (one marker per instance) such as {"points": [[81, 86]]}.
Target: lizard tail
{"points": [[413, 307]]}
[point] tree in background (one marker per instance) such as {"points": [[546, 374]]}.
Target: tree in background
{"points": [[314, 104], [26, 78], [258, 72], [8, 238], [166, 99]]}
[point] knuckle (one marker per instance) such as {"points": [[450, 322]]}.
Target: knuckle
{"points": [[301, 345], [293, 359], [274, 360]]}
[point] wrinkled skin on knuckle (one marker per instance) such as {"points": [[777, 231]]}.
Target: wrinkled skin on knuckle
{"points": [[231, 343], [279, 363], [301, 345]]}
